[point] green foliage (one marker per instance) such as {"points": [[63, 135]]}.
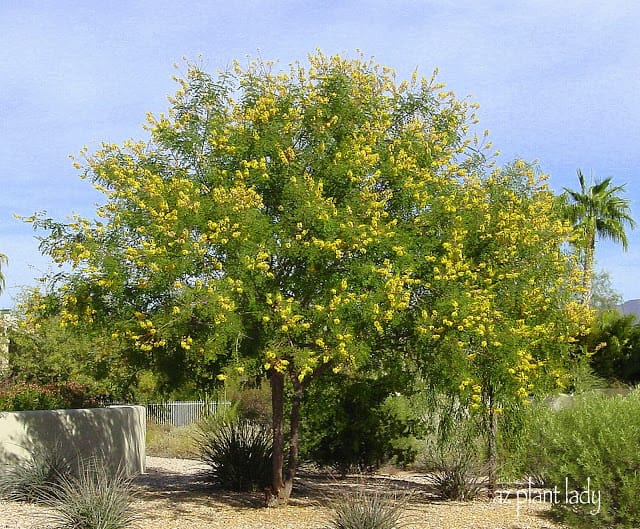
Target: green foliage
{"points": [[95, 498], [238, 454], [22, 396], [171, 441], [358, 424], [45, 350], [32, 479], [520, 454], [453, 453], [368, 510], [614, 345], [597, 210], [593, 442]]}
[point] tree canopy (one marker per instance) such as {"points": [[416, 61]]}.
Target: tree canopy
{"points": [[597, 210], [297, 223]]}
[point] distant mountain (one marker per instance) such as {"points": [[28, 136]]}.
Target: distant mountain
{"points": [[631, 307]]}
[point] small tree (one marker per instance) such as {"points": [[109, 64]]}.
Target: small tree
{"points": [[272, 223], [500, 318]]}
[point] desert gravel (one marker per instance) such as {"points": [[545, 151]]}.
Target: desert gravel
{"points": [[173, 495]]}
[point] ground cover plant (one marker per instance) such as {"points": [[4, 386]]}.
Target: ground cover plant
{"points": [[94, 497], [32, 479]]}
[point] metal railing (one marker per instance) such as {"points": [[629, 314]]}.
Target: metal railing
{"points": [[183, 413]]}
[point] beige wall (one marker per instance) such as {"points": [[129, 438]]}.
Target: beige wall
{"points": [[115, 434]]}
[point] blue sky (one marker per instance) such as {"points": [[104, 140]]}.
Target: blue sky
{"points": [[557, 82]]}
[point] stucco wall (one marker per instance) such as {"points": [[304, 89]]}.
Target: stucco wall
{"points": [[115, 434]]}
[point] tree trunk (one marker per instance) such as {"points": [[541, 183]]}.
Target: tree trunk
{"points": [[492, 447], [277, 494], [587, 272], [294, 424], [282, 478]]}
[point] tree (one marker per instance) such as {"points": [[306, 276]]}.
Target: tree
{"points": [[267, 225], [500, 319], [597, 210], [604, 297], [614, 341], [305, 223]]}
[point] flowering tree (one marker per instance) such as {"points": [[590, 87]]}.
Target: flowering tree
{"points": [[502, 313], [293, 224]]}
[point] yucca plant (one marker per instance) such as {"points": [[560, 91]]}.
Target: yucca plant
{"points": [[238, 454], [368, 510], [31, 480], [95, 498]]}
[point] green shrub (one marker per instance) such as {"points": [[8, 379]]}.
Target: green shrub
{"points": [[358, 424], [238, 454], [368, 510], [32, 396], [594, 443], [33, 479], [520, 438], [95, 498], [253, 403], [171, 441], [453, 459]]}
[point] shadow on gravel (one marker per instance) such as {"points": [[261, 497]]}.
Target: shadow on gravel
{"points": [[312, 488]]}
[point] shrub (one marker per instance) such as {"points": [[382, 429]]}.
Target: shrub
{"points": [[455, 466], [171, 441], [95, 498], [32, 480], [595, 443], [238, 454], [366, 425], [368, 510], [31, 396], [253, 403]]}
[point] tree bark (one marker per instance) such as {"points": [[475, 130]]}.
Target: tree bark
{"points": [[282, 477], [294, 425], [277, 493], [492, 446], [587, 277]]}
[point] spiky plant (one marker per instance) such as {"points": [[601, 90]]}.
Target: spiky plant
{"points": [[31, 480], [368, 510], [97, 497], [238, 454]]}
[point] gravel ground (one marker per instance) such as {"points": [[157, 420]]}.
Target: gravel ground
{"points": [[172, 495]]}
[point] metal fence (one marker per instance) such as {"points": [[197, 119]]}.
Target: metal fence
{"points": [[183, 413]]}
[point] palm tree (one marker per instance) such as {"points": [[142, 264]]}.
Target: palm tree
{"points": [[594, 211]]}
